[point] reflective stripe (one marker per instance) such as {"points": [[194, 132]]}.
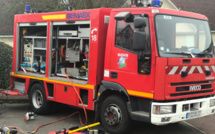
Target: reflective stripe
{"points": [[141, 94], [192, 69], [173, 70], [53, 81], [207, 68], [213, 67], [54, 17], [200, 69], [183, 69]]}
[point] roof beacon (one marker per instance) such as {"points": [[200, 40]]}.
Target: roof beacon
{"points": [[156, 3], [27, 8]]}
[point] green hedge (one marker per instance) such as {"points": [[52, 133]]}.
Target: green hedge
{"points": [[6, 55]]}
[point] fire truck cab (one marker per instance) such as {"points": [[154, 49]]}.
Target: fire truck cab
{"points": [[146, 64]]}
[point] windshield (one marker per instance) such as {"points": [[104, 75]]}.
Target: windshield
{"points": [[183, 37]]}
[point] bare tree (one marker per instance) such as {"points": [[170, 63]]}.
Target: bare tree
{"points": [[12, 7]]}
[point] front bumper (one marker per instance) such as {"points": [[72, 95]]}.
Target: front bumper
{"points": [[197, 108]]}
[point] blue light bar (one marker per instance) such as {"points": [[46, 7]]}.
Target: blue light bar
{"points": [[156, 3], [27, 8]]}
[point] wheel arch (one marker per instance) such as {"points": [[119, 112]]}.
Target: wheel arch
{"points": [[33, 82], [110, 88], [46, 105]]}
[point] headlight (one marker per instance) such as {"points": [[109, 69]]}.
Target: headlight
{"points": [[164, 109], [212, 102]]}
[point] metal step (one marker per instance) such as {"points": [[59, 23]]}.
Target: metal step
{"points": [[140, 113], [140, 116]]}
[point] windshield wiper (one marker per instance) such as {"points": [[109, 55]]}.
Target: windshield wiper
{"points": [[181, 53], [204, 54]]}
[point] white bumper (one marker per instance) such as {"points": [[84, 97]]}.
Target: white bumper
{"points": [[200, 108]]}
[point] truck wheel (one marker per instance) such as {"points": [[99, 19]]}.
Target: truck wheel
{"points": [[114, 115], [38, 102]]}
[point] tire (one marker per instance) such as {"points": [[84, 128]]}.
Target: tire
{"points": [[38, 102], [114, 115]]}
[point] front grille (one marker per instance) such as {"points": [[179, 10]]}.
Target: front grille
{"points": [[191, 83], [191, 93], [187, 88]]}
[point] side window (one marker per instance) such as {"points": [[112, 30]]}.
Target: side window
{"points": [[125, 31], [124, 39], [124, 34]]}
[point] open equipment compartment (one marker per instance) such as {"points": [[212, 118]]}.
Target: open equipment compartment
{"points": [[70, 49], [32, 47]]}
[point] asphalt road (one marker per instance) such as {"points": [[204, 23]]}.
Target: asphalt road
{"points": [[207, 124], [14, 116]]}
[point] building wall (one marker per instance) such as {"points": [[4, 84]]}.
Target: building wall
{"points": [[213, 36], [167, 4], [7, 40]]}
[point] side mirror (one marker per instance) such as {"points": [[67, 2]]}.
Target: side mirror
{"points": [[122, 16], [139, 22], [139, 40]]}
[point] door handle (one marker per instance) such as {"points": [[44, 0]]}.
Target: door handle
{"points": [[114, 75]]}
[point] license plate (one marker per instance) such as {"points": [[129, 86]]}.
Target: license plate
{"points": [[193, 114]]}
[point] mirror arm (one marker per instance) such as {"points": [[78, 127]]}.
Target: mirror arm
{"points": [[141, 55]]}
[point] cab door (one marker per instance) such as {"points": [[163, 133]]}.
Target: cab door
{"points": [[132, 69]]}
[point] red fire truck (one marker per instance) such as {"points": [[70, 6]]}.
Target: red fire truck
{"points": [[145, 63]]}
